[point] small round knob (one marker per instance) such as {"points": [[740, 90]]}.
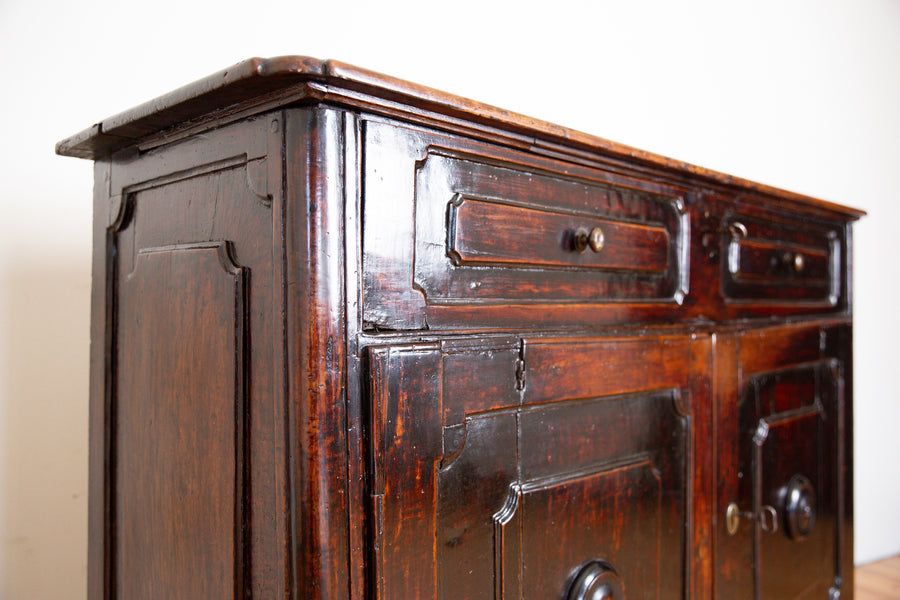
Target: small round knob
{"points": [[799, 507], [799, 262], [595, 239], [596, 581]]}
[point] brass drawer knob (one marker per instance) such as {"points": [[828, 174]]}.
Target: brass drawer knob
{"points": [[595, 239], [790, 261]]}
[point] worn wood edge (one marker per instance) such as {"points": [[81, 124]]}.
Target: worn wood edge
{"points": [[226, 88], [246, 80]]}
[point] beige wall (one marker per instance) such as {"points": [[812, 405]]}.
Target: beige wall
{"points": [[801, 94]]}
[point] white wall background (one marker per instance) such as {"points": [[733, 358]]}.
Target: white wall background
{"points": [[801, 94]]}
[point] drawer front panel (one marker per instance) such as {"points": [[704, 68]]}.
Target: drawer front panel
{"points": [[484, 232], [489, 232], [781, 262], [456, 233], [767, 262]]}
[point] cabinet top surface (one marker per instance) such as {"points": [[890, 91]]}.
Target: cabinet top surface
{"points": [[258, 84]]}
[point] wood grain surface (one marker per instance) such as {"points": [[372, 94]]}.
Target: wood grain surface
{"points": [[879, 580], [352, 349]]}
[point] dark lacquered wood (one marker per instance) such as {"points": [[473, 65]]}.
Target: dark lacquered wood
{"points": [[487, 233], [782, 260], [350, 339], [766, 262], [186, 390], [791, 387], [315, 353], [180, 523], [603, 474], [631, 365], [420, 227], [241, 87]]}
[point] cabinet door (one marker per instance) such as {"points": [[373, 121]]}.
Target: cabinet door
{"points": [[782, 506], [533, 469]]}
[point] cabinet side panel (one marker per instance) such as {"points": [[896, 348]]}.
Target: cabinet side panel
{"points": [[179, 439], [186, 496], [99, 427]]}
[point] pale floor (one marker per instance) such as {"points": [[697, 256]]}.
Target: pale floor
{"points": [[879, 580]]}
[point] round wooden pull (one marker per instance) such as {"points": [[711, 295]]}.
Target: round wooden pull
{"points": [[595, 239], [596, 581]]}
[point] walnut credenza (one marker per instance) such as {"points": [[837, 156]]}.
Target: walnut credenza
{"points": [[354, 338]]}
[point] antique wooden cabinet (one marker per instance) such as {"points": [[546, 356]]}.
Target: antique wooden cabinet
{"points": [[355, 338]]}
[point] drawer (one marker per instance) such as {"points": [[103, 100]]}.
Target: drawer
{"points": [[458, 233], [490, 231], [482, 232], [780, 261]]}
